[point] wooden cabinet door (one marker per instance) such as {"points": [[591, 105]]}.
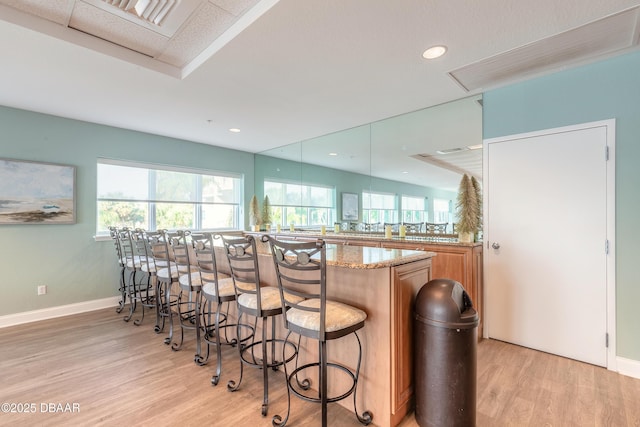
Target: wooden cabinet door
{"points": [[407, 280]]}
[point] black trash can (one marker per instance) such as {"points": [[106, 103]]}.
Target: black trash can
{"points": [[445, 341]]}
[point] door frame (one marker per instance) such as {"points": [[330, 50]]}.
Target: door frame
{"points": [[610, 127]]}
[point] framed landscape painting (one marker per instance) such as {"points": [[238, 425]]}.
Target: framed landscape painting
{"points": [[36, 193], [350, 207]]}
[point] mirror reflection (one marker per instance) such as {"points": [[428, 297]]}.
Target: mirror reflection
{"points": [[403, 169]]}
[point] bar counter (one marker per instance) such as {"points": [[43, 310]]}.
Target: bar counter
{"points": [[383, 282], [458, 261]]}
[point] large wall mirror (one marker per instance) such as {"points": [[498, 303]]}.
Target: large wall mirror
{"points": [[413, 156]]}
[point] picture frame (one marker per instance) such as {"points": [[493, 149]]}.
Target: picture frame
{"points": [[350, 209], [37, 192]]}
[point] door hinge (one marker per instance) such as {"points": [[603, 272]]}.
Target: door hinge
{"points": [[606, 340], [606, 247], [606, 152]]}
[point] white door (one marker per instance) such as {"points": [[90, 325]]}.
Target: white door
{"points": [[548, 242]]}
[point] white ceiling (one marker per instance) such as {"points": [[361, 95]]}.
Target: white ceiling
{"points": [[289, 70]]}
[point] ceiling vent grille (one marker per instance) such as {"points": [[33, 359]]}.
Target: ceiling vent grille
{"points": [[461, 161], [606, 35], [152, 11]]}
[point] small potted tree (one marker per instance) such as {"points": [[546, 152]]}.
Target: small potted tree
{"points": [[266, 213], [467, 211], [254, 214]]}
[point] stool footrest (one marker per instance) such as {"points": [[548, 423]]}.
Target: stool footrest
{"points": [[292, 379]]}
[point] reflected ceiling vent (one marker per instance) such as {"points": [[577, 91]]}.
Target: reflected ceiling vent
{"points": [[152, 11], [581, 44], [460, 160], [448, 151]]}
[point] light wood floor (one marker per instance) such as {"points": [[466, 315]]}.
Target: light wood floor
{"points": [[119, 374]]}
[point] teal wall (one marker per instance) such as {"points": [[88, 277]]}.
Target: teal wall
{"points": [[66, 258], [604, 90], [267, 167]]}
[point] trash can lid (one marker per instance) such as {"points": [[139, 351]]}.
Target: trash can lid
{"points": [[445, 303]]}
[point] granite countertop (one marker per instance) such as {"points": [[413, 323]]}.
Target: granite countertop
{"points": [[377, 237], [363, 257]]}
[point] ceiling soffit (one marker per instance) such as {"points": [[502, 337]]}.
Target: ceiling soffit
{"points": [[189, 33]]}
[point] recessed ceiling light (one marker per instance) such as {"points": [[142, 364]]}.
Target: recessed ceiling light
{"points": [[333, 154], [234, 130], [474, 147], [405, 172], [434, 52]]}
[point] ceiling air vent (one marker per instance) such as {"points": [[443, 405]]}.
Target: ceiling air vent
{"points": [[450, 150], [153, 11], [581, 44]]}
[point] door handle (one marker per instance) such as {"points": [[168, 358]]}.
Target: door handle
{"points": [[495, 245]]}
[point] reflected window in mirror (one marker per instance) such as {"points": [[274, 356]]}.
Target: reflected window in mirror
{"points": [[414, 209], [378, 208], [442, 211], [300, 204]]}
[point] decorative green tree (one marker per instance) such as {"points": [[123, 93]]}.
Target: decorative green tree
{"points": [[266, 211], [467, 208], [254, 211]]}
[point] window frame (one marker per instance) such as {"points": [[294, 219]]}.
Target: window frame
{"points": [[424, 211], [298, 209], [151, 202], [381, 212], [436, 218]]}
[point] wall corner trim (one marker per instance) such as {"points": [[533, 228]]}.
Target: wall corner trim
{"points": [[58, 311]]}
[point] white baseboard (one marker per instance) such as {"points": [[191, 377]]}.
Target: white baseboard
{"points": [[59, 311], [629, 367]]}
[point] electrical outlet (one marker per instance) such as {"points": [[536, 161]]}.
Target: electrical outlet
{"points": [[42, 289]]}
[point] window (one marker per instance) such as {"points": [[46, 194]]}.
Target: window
{"points": [[293, 203], [413, 209], [441, 211], [135, 195], [379, 207]]}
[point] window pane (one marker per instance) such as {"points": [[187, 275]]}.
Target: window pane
{"points": [[318, 216], [441, 210], [165, 198], [318, 196], [412, 203], [121, 182], [413, 209], [275, 191], [293, 195], [300, 204], [175, 215], [122, 214], [276, 215], [175, 186], [378, 200], [220, 189], [219, 216]]}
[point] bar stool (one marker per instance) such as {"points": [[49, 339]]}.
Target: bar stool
{"points": [[157, 258], [187, 298], [216, 289], [413, 227], [370, 227], [166, 278], [133, 275], [260, 302], [142, 291], [395, 226], [436, 228], [115, 236], [301, 272]]}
